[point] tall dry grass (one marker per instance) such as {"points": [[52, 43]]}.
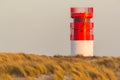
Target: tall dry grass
{"points": [[80, 68]]}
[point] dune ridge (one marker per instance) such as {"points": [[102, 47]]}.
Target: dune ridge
{"points": [[21, 66]]}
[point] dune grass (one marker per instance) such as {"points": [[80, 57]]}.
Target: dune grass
{"points": [[79, 68]]}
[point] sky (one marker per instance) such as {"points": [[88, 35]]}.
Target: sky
{"points": [[43, 26]]}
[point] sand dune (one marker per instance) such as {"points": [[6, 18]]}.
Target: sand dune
{"points": [[21, 66], [43, 77]]}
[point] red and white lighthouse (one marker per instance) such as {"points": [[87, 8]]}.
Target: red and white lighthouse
{"points": [[82, 31]]}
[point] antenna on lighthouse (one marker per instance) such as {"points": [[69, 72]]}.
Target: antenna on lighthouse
{"points": [[82, 31]]}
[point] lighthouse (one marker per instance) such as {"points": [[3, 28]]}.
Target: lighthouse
{"points": [[81, 31]]}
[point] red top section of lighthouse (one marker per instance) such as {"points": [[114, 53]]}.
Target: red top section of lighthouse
{"points": [[82, 12], [82, 28]]}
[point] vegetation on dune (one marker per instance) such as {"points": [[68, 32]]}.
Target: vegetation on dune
{"points": [[77, 67]]}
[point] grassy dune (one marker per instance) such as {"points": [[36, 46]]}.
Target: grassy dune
{"points": [[30, 65]]}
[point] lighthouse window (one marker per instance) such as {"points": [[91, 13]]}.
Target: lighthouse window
{"points": [[81, 30], [91, 31]]}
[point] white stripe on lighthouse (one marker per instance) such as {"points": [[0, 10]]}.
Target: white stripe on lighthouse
{"points": [[82, 47]]}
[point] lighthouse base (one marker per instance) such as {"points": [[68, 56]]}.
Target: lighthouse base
{"points": [[82, 47]]}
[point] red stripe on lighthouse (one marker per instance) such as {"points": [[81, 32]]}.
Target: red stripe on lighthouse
{"points": [[81, 31]]}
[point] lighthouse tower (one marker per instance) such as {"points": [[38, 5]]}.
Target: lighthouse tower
{"points": [[82, 31]]}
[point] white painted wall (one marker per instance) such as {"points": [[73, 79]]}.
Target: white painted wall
{"points": [[82, 47]]}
